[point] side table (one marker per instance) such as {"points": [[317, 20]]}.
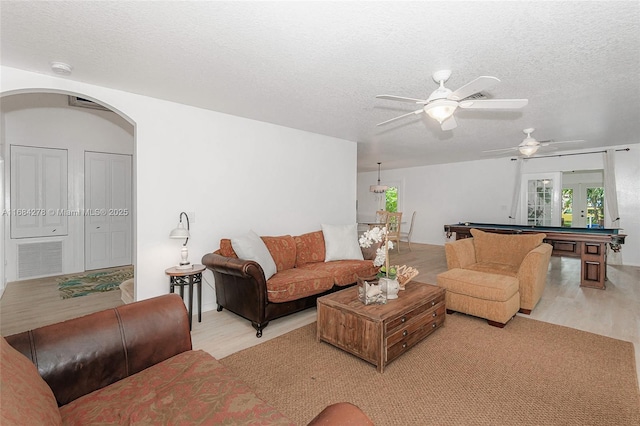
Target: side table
{"points": [[187, 277]]}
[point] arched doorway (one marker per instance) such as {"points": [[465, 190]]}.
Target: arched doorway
{"points": [[48, 111]]}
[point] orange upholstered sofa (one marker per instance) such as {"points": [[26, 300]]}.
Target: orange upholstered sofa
{"points": [[493, 276], [130, 365], [302, 275]]}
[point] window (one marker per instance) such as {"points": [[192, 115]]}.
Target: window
{"points": [[391, 199]]}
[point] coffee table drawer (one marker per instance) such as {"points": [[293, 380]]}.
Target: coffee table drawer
{"points": [[405, 339], [399, 323]]}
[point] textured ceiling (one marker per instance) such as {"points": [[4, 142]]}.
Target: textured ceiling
{"points": [[317, 66]]}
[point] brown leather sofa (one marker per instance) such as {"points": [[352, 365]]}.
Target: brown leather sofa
{"points": [[302, 276], [131, 364]]}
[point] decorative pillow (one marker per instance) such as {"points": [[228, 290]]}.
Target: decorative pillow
{"points": [[309, 248], [508, 249], [341, 242], [282, 250], [226, 249], [251, 247], [26, 397]]}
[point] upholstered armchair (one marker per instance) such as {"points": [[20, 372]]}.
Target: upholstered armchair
{"points": [[494, 276]]}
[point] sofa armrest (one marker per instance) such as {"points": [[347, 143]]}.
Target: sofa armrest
{"points": [[81, 355], [341, 413], [460, 253], [532, 275], [240, 285]]}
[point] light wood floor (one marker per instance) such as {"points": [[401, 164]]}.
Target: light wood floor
{"points": [[614, 312]]}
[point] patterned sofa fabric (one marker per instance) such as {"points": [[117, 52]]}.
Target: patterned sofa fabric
{"points": [[189, 388], [344, 272], [296, 283]]}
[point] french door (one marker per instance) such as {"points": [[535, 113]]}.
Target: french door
{"points": [[541, 199]]}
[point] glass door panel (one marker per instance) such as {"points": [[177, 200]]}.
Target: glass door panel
{"points": [[540, 202]]}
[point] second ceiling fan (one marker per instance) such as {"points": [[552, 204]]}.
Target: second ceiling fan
{"points": [[530, 145], [443, 102]]}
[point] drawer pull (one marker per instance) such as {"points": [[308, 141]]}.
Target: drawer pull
{"points": [[434, 315], [433, 303], [404, 333], [434, 325], [403, 319], [404, 345]]}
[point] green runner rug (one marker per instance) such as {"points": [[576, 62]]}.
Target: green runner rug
{"points": [[93, 282]]}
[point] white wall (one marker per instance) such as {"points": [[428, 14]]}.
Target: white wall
{"points": [[234, 173], [481, 191], [46, 120]]}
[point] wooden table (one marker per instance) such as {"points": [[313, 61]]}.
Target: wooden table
{"points": [[187, 277], [380, 333]]}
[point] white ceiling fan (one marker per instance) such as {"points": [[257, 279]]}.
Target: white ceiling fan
{"points": [[530, 145], [443, 102]]}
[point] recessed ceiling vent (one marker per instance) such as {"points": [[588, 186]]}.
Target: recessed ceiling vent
{"points": [[85, 103], [478, 95]]}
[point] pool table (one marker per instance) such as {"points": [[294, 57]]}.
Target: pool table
{"points": [[589, 244]]}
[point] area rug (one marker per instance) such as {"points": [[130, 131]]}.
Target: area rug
{"points": [[94, 282], [465, 373]]}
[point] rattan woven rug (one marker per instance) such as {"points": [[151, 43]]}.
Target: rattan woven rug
{"points": [[466, 373], [93, 282]]}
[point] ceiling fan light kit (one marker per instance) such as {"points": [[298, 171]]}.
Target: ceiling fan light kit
{"points": [[442, 103], [528, 150], [441, 109]]}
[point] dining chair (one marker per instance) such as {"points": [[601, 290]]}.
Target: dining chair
{"points": [[380, 220], [393, 227], [406, 236], [381, 216]]}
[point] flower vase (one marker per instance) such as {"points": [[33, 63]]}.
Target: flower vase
{"points": [[390, 287]]}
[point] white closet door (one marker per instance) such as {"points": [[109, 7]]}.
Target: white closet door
{"points": [[38, 192], [108, 216]]}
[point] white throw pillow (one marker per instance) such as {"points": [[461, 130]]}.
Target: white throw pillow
{"points": [[251, 247], [341, 242]]}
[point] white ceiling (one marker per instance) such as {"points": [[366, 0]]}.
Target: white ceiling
{"points": [[317, 66]]}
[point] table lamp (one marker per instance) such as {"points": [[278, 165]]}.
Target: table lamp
{"points": [[182, 232]]}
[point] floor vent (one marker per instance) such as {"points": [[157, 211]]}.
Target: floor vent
{"points": [[39, 259]]}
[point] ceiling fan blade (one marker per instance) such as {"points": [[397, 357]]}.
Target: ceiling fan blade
{"points": [[494, 104], [503, 149], [401, 99], [552, 142], [478, 85], [449, 124], [399, 117]]}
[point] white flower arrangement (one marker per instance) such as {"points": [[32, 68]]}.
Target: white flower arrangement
{"points": [[377, 235]]}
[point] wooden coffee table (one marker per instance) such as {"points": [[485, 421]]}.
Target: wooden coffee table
{"points": [[380, 333]]}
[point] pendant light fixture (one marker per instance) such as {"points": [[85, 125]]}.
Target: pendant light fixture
{"points": [[378, 189]]}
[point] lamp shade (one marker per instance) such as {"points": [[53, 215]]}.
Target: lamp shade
{"points": [[378, 189], [179, 232], [441, 109]]}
